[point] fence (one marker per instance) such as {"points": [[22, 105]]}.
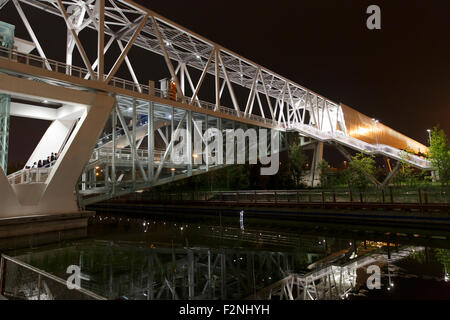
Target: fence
{"points": [[389, 196], [20, 281]]}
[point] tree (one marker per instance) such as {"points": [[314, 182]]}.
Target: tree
{"points": [[440, 154], [408, 174], [297, 160], [324, 172], [360, 168]]}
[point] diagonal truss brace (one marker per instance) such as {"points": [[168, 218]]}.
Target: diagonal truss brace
{"points": [[130, 140]]}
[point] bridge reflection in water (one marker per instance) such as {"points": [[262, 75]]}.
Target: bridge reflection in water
{"points": [[166, 260]]}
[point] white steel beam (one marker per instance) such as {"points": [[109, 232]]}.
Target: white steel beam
{"points": [[77, 40], [31, 33], [126, 50]]}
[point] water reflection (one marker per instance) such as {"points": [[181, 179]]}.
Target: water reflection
{"points": [[131, 257]]}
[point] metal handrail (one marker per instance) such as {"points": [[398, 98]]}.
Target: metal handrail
{"points": [[43, 274]]}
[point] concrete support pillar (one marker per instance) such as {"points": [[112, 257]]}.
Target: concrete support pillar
{"points": [[57, 195], [317, 158]]}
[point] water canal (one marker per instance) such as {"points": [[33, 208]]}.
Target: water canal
{"points": [[136, 256]]}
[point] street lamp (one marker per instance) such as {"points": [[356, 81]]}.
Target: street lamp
{"points": [[429, 135], [376, 131]]}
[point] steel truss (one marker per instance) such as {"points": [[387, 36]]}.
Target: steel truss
{"points": [[127, 24], [135, 165]]}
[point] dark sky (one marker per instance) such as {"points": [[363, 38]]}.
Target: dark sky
{"points": [[399, 74]]}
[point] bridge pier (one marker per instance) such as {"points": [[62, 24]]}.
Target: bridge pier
{"points": [[54, 194]]}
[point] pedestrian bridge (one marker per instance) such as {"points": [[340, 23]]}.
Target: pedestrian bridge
{"points": [[115, 136]]}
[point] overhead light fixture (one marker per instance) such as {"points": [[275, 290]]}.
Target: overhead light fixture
{"points": [[45, 101]]}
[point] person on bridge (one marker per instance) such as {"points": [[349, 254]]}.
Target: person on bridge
{"points": [[40, 164], [52, 157], [34, 166]]}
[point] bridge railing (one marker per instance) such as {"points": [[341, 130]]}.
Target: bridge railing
{"points": [[106, 153], [361, 145], [25, 176]]}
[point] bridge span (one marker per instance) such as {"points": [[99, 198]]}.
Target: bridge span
{"points": [[126, 129]]}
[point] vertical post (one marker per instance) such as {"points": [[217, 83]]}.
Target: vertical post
{"points": [[182, 66], [151, 87], [113, 158], [391, 194], [223, 274], [2, 275], [206, 145], [106, 174], [83, 180], [383, 196], [351, 195], [39, 287], [133, 144], [209, 271], [191, 283], [189, 142], [217, 78], [101, 38], [151, 140], [420, 197]]}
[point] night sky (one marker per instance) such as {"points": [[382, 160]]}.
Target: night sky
{"points": [[399, 74]]}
